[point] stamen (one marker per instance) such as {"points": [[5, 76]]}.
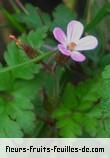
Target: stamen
{"points": [[71, 46]]}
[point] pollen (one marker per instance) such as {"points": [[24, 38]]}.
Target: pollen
{"points": [[71, 46]]}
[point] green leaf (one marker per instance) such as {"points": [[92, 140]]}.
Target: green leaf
{"points": [[40, 19], [9, 128], [88, 93], [68, 128], [76, 106], [100, 116], [15, 56], [16, 109], [106, 72], [20, 65], [36, 59], [35, 38], [29, 89], [106, 83], [69, 96], [67, 14], [6, 81]]}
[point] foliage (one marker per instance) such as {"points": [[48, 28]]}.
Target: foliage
{"points": [[40, 18], [40, 96], [58, 20]]}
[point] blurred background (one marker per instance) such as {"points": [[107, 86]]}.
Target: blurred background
{"points": [[80, 6], [20, 19], [85, 9]]}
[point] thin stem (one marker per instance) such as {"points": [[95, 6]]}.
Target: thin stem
{"points": [[46, 66], [89, 11], [14, 6], [37, 59], [22, 7], [53, 49]]}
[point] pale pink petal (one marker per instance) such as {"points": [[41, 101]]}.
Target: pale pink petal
{"points": [[59, 35], [63, 50], [74, 31], [87, 43], [78, 56]]}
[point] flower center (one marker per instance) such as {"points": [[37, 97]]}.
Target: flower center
{"points": [[71, 46]]}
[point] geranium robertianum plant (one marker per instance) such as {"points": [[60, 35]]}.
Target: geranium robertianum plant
{"points": [[52, 91]]}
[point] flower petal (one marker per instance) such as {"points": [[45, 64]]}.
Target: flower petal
{"points": [[63, 50], [77, 56], [74, 31], [87, 43], [59, 35]]}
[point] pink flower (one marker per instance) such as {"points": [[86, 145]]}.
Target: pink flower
{"points": [[71, 44]]}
